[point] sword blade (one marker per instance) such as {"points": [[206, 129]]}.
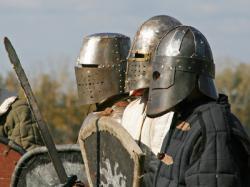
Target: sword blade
{"points": [[44, 131]]}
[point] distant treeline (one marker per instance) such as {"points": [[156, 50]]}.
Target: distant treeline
{"points": [[235, 82], [60, 108]]}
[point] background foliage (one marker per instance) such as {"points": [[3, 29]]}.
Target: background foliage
{"points": [[57, 98], [235, 82], [57, 101]]}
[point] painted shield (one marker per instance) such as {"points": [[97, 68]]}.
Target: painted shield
{"points": [[36, 169], [111, 156], [10, 153]]}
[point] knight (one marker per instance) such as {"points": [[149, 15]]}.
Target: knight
{"points": [[148, 132], [18, 133], [206, 144], [100, 74], [16, 121]]}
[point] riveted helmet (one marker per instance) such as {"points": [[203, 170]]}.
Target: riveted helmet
{"points": [[101, 66], [183, 60], [144, 43]]}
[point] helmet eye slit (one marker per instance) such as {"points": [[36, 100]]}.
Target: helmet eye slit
{"points": [[139, 55], [156, 75]]}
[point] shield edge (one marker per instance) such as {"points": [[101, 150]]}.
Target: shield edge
{"points": [[38, 150], [107, 124], [12, 145]]}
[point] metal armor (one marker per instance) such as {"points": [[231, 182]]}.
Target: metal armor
{"points": [[143, 46], [101, 66], [183, 60]]}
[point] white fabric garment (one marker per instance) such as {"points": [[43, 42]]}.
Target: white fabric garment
{"points": [[6, 99], [149, 131]]}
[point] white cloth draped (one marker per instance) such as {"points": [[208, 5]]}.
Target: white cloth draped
{"points": [[149, 131], [6, 99]]}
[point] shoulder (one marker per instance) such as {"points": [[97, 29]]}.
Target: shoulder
{"points": [[211, 117], [218, 117], [135, 104], [19, 105], [6, 100], [134, 109], [19, 110], [236, 125], [238, 132]]}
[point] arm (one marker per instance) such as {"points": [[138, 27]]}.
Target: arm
{"points": [[213, 164], [20, 126]]}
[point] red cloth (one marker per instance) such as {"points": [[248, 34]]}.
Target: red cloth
{"points": [[138, 92]]}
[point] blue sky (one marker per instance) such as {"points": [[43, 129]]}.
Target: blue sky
{"points": [[50, 32]]}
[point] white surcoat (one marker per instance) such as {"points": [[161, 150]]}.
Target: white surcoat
{"points": [[149, 131], [6, 99]]}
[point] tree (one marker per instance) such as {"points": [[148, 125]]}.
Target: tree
{"points": [[235, 84], [58, 105]]}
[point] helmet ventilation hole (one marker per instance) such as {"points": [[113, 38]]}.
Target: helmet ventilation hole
{"points": [[156, 75]]}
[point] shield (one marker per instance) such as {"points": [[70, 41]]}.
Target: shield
{"points": [[111, 156], [10, 153], [35, 167]]}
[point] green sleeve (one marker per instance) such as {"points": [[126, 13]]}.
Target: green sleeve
{"points": [[21, 127]]}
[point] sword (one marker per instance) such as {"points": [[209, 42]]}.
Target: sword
{"points": [[44, 131]]}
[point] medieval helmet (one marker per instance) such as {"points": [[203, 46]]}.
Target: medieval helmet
{"points": [[101, 66], [144, 43], [183, 60]]}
